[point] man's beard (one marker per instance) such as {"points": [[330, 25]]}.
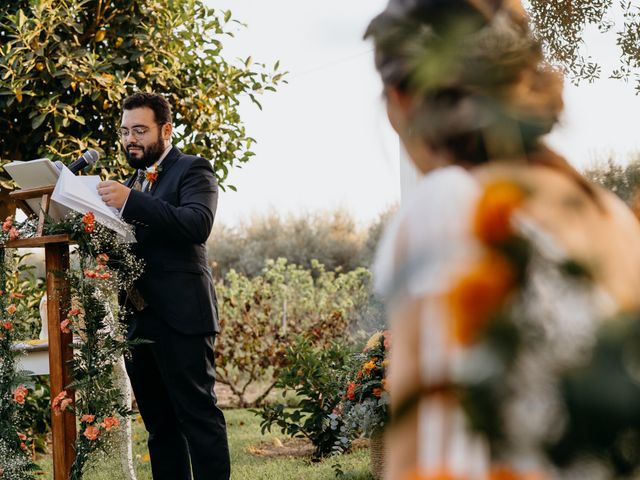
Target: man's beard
{"points": [[150, 154]]}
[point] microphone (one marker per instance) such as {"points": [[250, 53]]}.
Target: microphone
{"points": [[88, 158]]}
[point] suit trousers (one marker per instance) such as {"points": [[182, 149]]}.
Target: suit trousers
{"points": [[172, 379]]}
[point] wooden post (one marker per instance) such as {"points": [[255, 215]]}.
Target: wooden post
{"points": [[63, 424]]}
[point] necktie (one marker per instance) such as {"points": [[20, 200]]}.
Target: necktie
{"points": [[137, 184], [133, 294]]}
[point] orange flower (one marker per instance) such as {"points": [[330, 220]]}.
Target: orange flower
{"points": [[7, 325], [64, 326], [91, 432], [16, 295], [14, 233], [505, 473], [11, 309], [370, 365], [89, 222], [90, 274], [418, 475], [377, 392], [492, 222], [351, 391], [109, 422], [478, 295], [87, 418], [102, 259], [151, 176], [8, 222], [20, 394]]}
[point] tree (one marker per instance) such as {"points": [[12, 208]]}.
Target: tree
{"points": [[621, 179], [561, 26], [66, 65]]}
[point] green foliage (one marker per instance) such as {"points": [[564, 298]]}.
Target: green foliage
{"points": [[561, 26], [332, 238], [23, 281], [623, 180], [261, 315], [65, 67], [311, 372]]}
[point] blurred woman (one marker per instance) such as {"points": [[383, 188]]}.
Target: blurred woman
{"points": [[470, 96]]}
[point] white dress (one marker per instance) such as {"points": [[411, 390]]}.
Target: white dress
{"points": [[423, 250]]}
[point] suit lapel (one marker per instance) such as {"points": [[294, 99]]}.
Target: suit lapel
{"points": [[166, 164]]}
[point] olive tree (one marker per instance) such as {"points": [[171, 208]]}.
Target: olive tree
{"points": [[562, 25]]}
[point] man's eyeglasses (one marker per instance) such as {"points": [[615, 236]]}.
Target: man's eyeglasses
{"points": [[136, 132]]}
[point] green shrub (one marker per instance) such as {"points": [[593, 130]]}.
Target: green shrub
{"points": [[261, 315], [312, 373]]}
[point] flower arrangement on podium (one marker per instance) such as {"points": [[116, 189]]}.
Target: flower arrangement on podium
{"points": [[104, 266]]}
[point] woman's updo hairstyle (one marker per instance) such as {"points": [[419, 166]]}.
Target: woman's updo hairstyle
{"points": [[475, 68]]}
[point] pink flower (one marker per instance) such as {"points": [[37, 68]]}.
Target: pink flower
{"points": [[387, 339], [88, 418], [91, 432], [90, 274], [22, 436], [7, 325], [13, 233], [102, 259], [73, 312], [20, 394], [64, 325], [8, 222], [109, 422], [61, 402]]}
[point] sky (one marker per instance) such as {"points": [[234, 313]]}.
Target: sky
{"points": [[323, 140]]}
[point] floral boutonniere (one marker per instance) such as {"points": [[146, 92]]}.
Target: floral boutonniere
{"points": [[151, 174]]}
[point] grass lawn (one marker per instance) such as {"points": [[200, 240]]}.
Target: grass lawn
{"points": [[244, 438]]}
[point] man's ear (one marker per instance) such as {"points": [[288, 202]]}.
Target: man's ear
{"points": [[167, 129]]}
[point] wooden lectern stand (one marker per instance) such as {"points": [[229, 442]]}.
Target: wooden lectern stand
{"points": [[56, 248]]}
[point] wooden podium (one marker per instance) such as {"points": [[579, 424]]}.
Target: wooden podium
{"points": [[56, 248]]}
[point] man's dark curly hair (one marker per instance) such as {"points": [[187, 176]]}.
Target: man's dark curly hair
{"points": [[154, 101]]}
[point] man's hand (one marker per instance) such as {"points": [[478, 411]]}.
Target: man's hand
{"points": [[113, 193]]}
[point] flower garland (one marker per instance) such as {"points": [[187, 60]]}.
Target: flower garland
{"points": [[15, 461], [105, 267]]}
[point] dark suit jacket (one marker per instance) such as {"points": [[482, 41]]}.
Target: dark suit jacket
{"points": [[172, 223]]}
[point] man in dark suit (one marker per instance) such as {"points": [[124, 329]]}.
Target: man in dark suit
{"points": [[171, 202]]}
